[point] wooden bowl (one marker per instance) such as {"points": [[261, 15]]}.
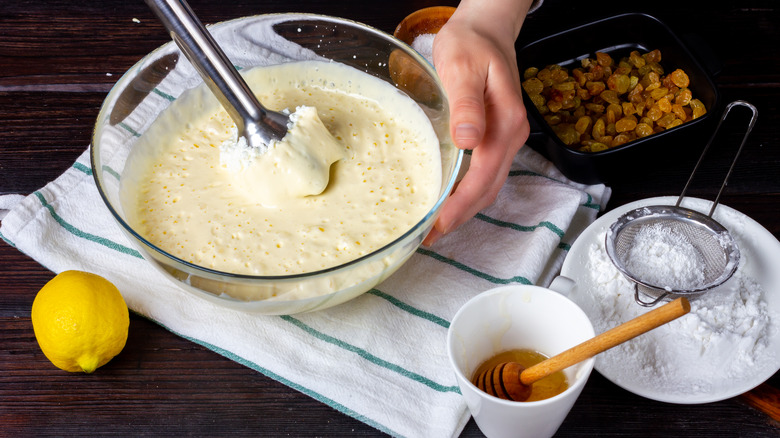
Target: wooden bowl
{"points": [[421, 22]]}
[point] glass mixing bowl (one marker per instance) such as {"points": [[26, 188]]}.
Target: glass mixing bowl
{"points": [[152, 84]]}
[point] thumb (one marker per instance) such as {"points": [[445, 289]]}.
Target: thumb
{"points": [[466, 91]]}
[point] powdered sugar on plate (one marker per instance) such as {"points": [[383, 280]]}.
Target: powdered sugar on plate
{"points": [[727, 344], [723, 336]]}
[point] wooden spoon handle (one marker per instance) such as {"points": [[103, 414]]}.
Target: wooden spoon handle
{"points": [[605, 341]]}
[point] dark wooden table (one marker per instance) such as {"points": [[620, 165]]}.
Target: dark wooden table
{"points": [[58, 59]]}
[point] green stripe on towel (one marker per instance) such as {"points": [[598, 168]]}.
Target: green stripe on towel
{"points": [[129, 129], [165, 96], [88, 170], [313, 394], [83, 234], [414, 311], [112, 172], [2, 236], [309, 330], [370, 357], [544, 224], [472, 271], [589, 203], [82, 168]]}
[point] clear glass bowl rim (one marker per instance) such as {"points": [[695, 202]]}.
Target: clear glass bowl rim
{"points": [[192, 268]]}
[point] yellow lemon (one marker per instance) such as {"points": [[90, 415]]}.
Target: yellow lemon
{"points": [[80, 321]]}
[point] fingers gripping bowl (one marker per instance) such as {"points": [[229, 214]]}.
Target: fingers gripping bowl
{"points": [[164, 77]]}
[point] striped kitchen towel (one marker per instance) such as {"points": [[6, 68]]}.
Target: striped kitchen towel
{"points": [[381, 357]]}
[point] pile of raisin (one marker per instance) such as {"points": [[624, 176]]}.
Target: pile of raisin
{"points": [[602, 105]]}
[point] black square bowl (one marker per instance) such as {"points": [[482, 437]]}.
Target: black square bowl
{"points": [[618, 36]]}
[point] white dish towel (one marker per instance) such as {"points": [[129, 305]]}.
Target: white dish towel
{"points": [[380, 358]]}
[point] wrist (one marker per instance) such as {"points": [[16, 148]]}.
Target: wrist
{"points": [[503, 18]]}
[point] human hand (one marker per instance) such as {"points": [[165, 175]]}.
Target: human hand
{"points": [[475, 58]]}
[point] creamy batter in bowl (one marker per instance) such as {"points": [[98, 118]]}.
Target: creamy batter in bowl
{"points": [[161, 78]]}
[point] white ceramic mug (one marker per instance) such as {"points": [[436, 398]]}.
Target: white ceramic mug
{"points": [[517, 317]]}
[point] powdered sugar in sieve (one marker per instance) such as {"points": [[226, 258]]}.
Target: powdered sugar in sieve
{"points": [[672, 250]]}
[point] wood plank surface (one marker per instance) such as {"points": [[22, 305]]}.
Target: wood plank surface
{"points": [[58, 59]]}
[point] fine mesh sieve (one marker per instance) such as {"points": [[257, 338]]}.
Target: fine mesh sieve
{"points": [[708, 245]]}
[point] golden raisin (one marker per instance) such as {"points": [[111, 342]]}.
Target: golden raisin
{"points": [[649, 102], [567, 134], [636, 59], [654, 113], [680, 78], [620, 139], [640, 108], [569, 102], [565, 86], [619, 83], [552, 119], [537, 99], [603, 59], [530, 72], [664, 104], [559, 75], [655, 68], [583, 124], [595, 87], [579, 76], [596, 73], [698, 108], [595, 108], [678, 111], [651, 78], [625, 124], [659, 93], [675, 122], [643, 130], [533, 86], [683, 97], [599, 128], [666, 120], [606, 101], [653, 56], [614, 112], [610, 96], [628, 108], [635, 95]]}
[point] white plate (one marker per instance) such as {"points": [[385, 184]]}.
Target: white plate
{"points": [[761, 253]]}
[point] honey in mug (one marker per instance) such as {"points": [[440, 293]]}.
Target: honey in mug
{"points": [[545, 388]]}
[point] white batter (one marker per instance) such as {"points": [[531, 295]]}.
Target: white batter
{"points": [[189, 191], [298, 165]]}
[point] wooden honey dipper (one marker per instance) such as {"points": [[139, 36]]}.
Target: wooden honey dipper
{"points": [[511, 381]]}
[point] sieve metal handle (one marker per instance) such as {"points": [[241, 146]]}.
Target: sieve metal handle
{"points": [[733, 162], [645, 303]]}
